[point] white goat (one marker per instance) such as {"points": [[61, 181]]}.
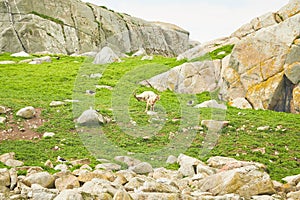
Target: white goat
{"points": [[149, 97]]}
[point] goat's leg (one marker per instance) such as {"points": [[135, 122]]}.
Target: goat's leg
{"points": [[147, 106]]}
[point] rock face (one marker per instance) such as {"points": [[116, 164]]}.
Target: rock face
{"points": [[73, 26], [191, 78], [261, 72]]}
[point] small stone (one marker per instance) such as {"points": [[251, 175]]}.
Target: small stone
{"points": [[57, 103], [142, 168], [13, 163], [2, 120], [108, 166], [84, 161], [171, 159], [263, 128], [61, 167], [2, 110], [20, 54], [48, 134], [49, 164], [27, 112], [7, 62]]}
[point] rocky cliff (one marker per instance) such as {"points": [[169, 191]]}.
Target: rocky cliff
{"points": [[72, 26], [263, 68]]}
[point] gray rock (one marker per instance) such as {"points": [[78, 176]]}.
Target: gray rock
{"points": [[108, 166], [27, 112], [91, 117], [214, 124], [293, 195], [41, 60], [105, 56], [171, 159], [142, 168], [122, 195], [39, 192], [262, 197], [188, 78], [147, 58], [127, 160], [84, 161], [13, 178], [292, 180]]}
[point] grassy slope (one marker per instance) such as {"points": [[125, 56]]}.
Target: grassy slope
{"points": [[38, 85]]}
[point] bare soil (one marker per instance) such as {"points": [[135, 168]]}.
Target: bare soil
{"points": [[21, 129]]}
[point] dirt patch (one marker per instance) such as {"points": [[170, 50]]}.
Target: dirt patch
{"points": [[21, 129]]}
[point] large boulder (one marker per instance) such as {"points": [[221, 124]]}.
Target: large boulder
{"points": [[42, 178], [246, 181], [27, 112], [188, 78], [52, 26], [105, 56], [264, 66]]}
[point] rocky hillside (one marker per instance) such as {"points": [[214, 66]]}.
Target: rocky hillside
{"points": [[222, 178], [262, 71], [72, 26]]}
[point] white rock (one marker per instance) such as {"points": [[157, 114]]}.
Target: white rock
{"points": [[105, 56], [6, 156], [27, 112], [2, 110], [292, 180], [41, 60], [48, 134], [211, 104], [214, 125], [7, 62], [128, 160], [61, 167], [240, 103], [56, 103], [2, 120], [188, 165], [140, 52], [293, 195], [13, 163], [263, 128], [147, 58], [20, 54]]}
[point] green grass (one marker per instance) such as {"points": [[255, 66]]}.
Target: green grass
{"points": [[38, 85], [58, 21], [216, 54]]}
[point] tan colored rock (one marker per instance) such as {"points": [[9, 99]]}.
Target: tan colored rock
{"points": [[293, 195], [42, 178], [85, 161], [67, 182], [6, 156], [293, 72], [240, 103], [68, 195], [86, 177], [2, 110], [296, 99], [122, 195], [26, 113], [246, 181], [4, 177], [155, 196], [13, 163]]}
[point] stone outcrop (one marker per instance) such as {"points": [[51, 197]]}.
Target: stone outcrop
{"points": [[72, 26], [220, 178], [261, 72]]}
